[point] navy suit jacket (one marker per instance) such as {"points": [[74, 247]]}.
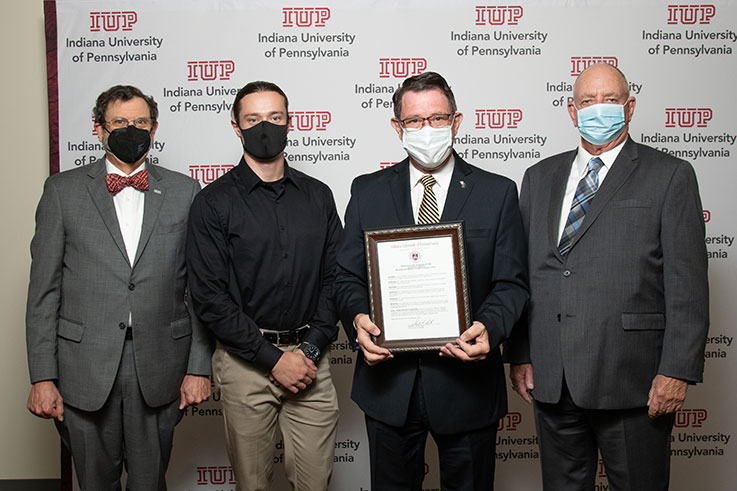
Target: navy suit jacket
{"points": [[459, 396]]}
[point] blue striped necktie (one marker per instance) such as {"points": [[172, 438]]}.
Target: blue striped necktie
{"points": [[585, 192], [429, 206]]}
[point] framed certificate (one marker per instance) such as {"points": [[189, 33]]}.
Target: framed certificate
{"points": [[418, 285]]}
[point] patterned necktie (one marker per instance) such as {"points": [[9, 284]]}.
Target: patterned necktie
{"points": [[429, 207], [116, 183], [585, 192]]}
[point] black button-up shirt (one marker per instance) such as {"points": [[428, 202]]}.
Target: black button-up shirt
{"points": [[262, 256]]}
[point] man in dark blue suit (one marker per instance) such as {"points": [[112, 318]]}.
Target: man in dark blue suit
{"points": [[457, 394]]}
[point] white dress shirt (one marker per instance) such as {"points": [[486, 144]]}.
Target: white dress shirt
{"points": [[129, 209], [417, 189], [579, 167]]}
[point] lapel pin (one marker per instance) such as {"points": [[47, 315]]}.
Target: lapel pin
{"points": [[157, 191], [463, 184]]}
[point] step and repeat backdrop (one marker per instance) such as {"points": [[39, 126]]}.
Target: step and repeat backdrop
{"points": [[512, 68]]}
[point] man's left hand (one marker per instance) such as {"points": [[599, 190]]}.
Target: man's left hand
{"points": [[194, 389], [666, 395], [467, 351]]}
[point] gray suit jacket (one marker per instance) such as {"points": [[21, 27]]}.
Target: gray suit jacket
{"points": [[83, 287], [630, 299]]}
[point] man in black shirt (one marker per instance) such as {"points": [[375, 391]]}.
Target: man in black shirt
{"points": [[261, 251]]}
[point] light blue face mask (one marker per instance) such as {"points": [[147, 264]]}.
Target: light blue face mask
{"points": [[601, 123]]}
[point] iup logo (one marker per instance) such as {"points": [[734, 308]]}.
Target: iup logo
{"points": [[113, 21], [510, 422], [305, 16], [215, 475], [401, 67], [691, 14], [581, 63], [693, 418], [687, 117], [210, 70], [94, 127], [497, 118], [206, 173], [309, 120], [707, 215], [498, 15], [386, 165]]}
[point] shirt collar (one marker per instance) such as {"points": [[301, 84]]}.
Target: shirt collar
{"points": [[443, 176], [111, 169], [251, 180], [583, 157]]}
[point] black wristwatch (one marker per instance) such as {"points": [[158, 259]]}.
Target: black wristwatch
{"points": [[311, 351]]}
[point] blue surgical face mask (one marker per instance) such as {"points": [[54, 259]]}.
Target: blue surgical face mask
{"points": [[601, 123]]}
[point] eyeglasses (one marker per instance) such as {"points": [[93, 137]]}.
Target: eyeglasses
{"points": [[434, 120], [140, 123]]}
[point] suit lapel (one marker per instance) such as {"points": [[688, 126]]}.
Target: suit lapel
{"points": [[461, 185], [557, 192], [154, 198], [399, 184], [97, 188], [621, 170]]}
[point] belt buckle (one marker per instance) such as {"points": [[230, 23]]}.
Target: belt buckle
{"points": [[285, 338]]}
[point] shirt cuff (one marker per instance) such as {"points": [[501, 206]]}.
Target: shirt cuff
{"points": [[267, 356], [316, 338]]}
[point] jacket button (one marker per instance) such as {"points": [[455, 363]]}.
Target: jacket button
{"points": [[566, 273], [131, 287], [122, 325]]}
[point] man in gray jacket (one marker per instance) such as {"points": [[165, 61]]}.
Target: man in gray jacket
{"points": [[619, 306], [113, 351]]}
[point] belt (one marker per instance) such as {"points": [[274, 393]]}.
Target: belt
{"points": [[285, 338]]}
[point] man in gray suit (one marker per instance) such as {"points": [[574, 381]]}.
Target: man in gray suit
{"points": [[618, 315], [113, 351]]}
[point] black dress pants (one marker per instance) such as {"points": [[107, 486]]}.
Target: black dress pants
{"points": [[634, 448], [397, 454]]}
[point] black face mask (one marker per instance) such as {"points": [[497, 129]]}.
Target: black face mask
{"points": [[265, 140], [129, 144]]}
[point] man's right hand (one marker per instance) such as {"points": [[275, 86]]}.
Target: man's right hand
{"points": [[294, 371], [372, 353], [45, 400], [522, 380]]}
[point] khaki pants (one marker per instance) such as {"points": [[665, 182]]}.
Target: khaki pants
{"points": [[252, 406]]}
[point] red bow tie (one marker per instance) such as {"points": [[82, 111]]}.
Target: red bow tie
{"points": [[116, 182]]}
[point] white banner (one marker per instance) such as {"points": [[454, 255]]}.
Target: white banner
{"points": [[511, 68]]}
